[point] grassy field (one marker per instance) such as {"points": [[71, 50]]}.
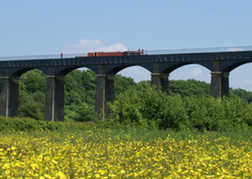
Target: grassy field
{"points": [[134, 153]]}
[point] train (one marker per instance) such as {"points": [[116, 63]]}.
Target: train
{"points": [[106, 54]]}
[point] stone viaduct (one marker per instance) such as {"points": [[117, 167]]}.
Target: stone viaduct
{"points": [[219, 63]]}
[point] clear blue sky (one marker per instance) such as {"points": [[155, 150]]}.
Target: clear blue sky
{"points": [[46, 27]]}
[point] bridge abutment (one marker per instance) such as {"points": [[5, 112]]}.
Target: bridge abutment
{"points": [[54, 105], [9, 97]]}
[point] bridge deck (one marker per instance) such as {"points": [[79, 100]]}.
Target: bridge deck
{"points": [[160, 58]]}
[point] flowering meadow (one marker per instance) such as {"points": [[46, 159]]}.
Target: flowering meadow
{"points": [[104, 153]]}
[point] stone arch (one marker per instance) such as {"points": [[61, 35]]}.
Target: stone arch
{"points": [[240, 76], [192, 71], [17, 72], [231, 65], [9, 106], [173, 66], [166, 70], [55, 91], [105, 84], [62, 71], [114, 69], [136, 72]]}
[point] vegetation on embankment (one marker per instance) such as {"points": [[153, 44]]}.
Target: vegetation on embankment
{"points": [[79, 93], [29, 124], [136, 104], [146, 108]]}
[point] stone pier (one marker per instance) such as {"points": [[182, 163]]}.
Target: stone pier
{"points": [[219, 84], [104, 94], [54, 106], [9, 97], [160, 80]]}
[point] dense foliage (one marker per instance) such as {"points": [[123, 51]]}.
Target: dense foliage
{"points": [[148, 109], [138, 104], [79, 94]]}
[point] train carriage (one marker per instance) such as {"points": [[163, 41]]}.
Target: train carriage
{"points": [[107, 54]]}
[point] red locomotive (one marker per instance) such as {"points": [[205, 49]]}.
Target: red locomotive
{"points": [[106, 54]]}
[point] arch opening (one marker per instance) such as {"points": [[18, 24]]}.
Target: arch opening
{"points": [[240, 79], [32, 93], [137, 73], [79, 94], [190, 79], [129, 77]]}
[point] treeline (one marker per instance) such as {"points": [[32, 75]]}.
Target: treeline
{"points": [[143, 107], [200, 88], [80, 88]]}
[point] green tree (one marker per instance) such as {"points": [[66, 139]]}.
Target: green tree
{"points": [[143, 106], [73, 89], [34, 80], [32, 87], [247, 95], [189, 87], [123, 83], [89, 84]]}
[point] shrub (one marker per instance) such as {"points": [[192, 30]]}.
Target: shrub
{"points": [[147, 108]]}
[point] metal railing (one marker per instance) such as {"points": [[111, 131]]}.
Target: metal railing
{"points": [[40, 57], [200, 50]]}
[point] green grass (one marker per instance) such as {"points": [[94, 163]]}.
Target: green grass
{"points": [[35, 128]]}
